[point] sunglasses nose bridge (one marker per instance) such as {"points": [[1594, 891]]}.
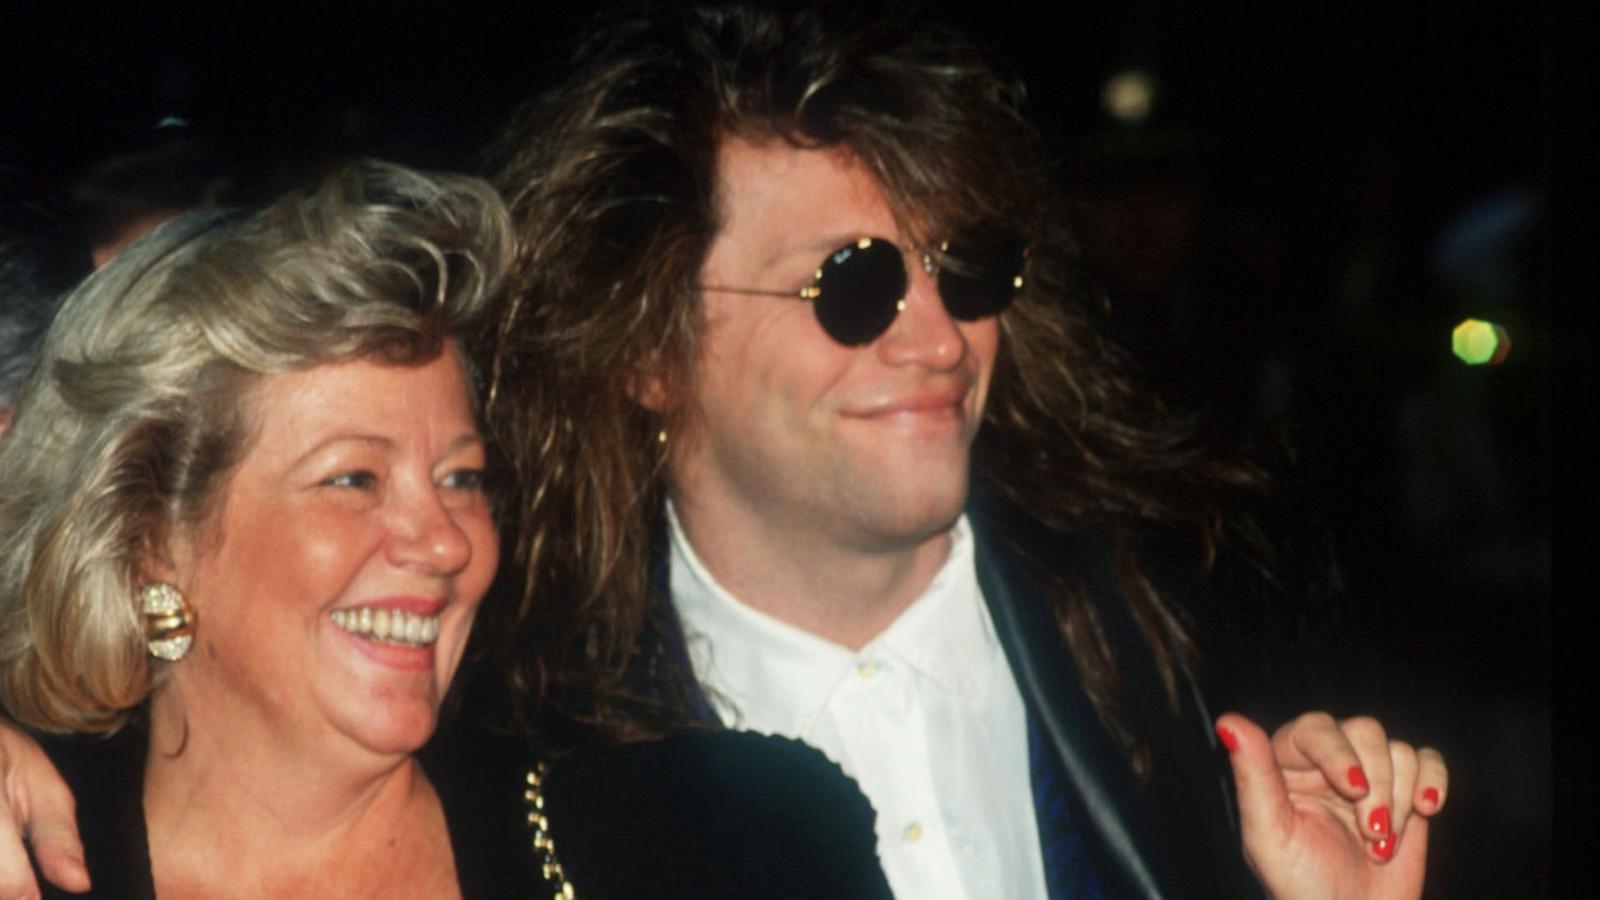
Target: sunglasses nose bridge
{"points": [[923, 283], [932, 257]]}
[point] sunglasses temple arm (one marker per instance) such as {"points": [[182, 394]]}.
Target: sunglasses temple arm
{"points": [[755, 292]]}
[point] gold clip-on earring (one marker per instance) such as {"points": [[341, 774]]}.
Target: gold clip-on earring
{"points": [[169, 621]]}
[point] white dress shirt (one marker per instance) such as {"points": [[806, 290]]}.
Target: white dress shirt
{"points": [[926, 717]]}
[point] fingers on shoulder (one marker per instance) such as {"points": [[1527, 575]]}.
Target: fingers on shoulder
{"points": [[36, 805], [16, 873]]}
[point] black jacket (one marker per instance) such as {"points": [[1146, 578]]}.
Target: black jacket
{"points": [[1173, 835]]}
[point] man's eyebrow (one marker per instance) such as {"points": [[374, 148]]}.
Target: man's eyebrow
{"points": [[820, 247]]}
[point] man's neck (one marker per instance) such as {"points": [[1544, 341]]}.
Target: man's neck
{"points": [[805, 578]]}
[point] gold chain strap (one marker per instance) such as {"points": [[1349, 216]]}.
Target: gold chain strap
{"points": [[544, 846]]}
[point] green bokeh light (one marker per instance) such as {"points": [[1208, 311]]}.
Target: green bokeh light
{"points": [[1476, 342]]}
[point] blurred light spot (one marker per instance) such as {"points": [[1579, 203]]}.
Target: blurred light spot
{"points": [[1478, 343], [1129, 95], [1490, 227]]}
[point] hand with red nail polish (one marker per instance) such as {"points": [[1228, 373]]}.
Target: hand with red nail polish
{"points": [[1333, 809], [1357, 778], [1229, 740]]}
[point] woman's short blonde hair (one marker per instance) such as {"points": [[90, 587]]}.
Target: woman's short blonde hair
{"points": [[136, 413]]}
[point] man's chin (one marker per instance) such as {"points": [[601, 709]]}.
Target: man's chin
{"points": [[901, 515]]}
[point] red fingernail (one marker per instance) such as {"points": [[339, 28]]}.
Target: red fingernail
{"points": [[1378, 820], [1431, 796], [1229, 739], [1358, 778], [1383, 848]]}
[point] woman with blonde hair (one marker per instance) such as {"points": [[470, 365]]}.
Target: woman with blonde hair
{"points": [[245, 534]]}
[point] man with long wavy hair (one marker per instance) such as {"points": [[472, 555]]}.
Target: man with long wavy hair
{"points": [[817, 434]]}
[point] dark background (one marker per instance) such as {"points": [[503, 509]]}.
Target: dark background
{"points": [[1319, 195]]}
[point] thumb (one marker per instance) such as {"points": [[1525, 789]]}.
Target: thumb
{"points": [[59, 854], [52, 828], [1263, 794]]}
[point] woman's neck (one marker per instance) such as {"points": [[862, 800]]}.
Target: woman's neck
{"points": [[231, 813]]}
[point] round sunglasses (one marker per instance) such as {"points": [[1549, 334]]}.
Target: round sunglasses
{"points": [[860, 287]]}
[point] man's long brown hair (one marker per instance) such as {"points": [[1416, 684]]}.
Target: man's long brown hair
{"points": [[612, 181]]}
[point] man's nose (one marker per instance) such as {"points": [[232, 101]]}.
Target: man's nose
{"points": [[923, 333]]}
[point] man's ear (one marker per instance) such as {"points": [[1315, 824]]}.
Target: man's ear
{"points": [[649, 390]]}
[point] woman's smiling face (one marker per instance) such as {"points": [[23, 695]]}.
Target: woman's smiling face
{"points": [[337, 580]]}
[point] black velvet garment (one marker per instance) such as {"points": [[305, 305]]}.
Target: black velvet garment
{"points": [[480, 792], [107, 781], [713, 815], [705, 815]]}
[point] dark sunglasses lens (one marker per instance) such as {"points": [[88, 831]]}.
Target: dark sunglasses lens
{"points": [[858, 290], [979, 272]]}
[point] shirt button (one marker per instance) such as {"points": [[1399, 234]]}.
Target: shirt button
{"points": [[912, 832], [866, 669]]}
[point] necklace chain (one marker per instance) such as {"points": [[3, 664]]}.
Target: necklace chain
{"points": [[544, 846]]}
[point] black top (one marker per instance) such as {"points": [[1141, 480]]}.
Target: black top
{"points": [[706, 815], [717, 814], [480, 794]]}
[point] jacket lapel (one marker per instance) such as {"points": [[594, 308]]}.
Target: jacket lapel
{"points": [[1170, 836], [1094, 765]]}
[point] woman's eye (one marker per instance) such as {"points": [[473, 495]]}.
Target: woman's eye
{"points": [[465, 480], [363, 481]]}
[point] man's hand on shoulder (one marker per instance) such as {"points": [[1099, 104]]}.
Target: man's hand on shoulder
{"points": [[37, 806], [1334, 809]]}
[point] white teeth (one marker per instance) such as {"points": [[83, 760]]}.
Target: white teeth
{"points": [[391, 626]]}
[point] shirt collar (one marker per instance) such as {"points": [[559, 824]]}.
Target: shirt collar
{"points": [[766, 675], [946, 634]]}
